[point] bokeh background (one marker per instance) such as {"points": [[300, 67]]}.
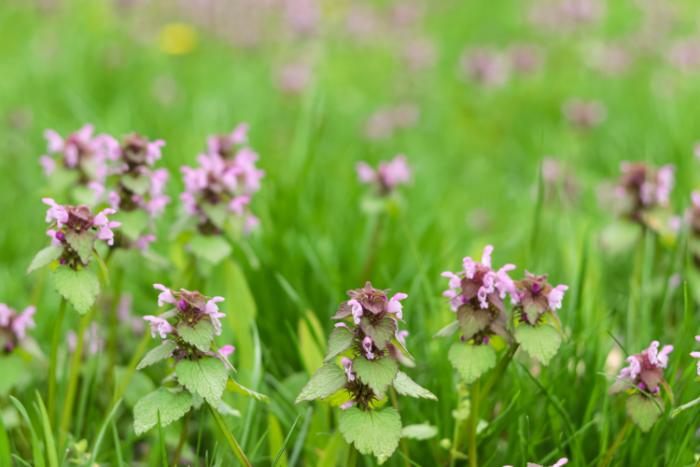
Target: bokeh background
{"points": [[513, 117]]}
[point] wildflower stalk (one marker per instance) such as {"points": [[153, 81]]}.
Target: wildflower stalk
{"points": [[616, 444], [471, 425], [402, 443], [375, 241], [67, 414], [230, 439], [135, 359], [685, 406], [352, 456], [58, 325], [183, 438]]}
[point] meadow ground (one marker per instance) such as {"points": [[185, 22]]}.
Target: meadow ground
{"points": [[514, 118]]}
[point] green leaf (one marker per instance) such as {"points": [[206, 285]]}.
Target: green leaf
{"points": [[134, 223], [206, 377], [171, 405], [338, 342], [448, 330], [327, 380], [14, 372], [471, 361], [137, 184], [405, 386], [224, 409], [45, 257], [210, 248], [235, 386], [161, 352], [217, 214], [82, 243], [377, 374], [375, 432], [419, 432], [200, 335], [644, 411], [80, 287], [540, 342], [381, 332], [472, 320]]}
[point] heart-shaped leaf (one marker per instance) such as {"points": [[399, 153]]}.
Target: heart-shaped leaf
{"points": [[79, 287], [327, 380], [375, 432], [378, 374], [471, 361], [170, 405], [206, 377], [540, 342], [644, 411]]}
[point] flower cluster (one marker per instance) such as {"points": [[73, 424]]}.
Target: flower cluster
{"points": [[584, 115], [490, 67], [14, 325], [645, 369], [387, 176], [191, 310], [477, 293], [223, 183], [534, 297], [643, 188], [76, 228], [387, 121]]}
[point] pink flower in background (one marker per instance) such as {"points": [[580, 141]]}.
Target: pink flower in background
{"points": [[14, 326], [684, 54], [484, 66], [643, 188], [388, 176], [696, 355], [93, 342], [387, 121], [564, 16], [524, 58], [294, 78], [419, 54], [227, 350], [645, 370], [584, 115]]}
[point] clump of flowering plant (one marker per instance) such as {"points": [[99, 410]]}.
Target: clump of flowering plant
{"points": [[584, 115], [536, 323], [75, 232], [135, 188], [388, 175], [14, 326], [476, 295], [644, 190], [362, 366], [642, 380], [201, 370]]}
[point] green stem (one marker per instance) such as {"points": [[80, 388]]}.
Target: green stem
{"points": [[402, 442], [373, 248], [352, 456], [616, 444], [471, 425], [58, 326], [455, 442], [73, 377], [502, 365], [230, 439], [133, 363], [685, 406], [183, 438]]}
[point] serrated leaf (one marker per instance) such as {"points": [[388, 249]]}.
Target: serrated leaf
{"points": [[136, 184], [200, 335], [448, 330], [540, 342], [170, 405], [471, 361], [45, 257], [420, 432], [405, 386], [210, 248], [338, 342], [79, 287], [82, 243], [224, 409], [375, 432], [472, 320], [134, 223], [377, 374], [234, 386], [216, 213], [206, 377], [324, 382], [157, 354], [381, 332], [644, 411]]}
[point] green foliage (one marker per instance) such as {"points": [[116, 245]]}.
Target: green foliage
{"points": [[163, 351], [381, 332], [134, 223], [420, 432], [378, 374], [79, 287], [205, 377], [339, 341], [472, 320], [327, 380], [375, 432], [405, 386], [471, 361], [82, 243], [540, 342], [211, 248], [644, 411], [200, 335], [45, 257], [163, 403]]}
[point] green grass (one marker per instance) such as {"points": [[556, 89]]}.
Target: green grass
{"points": [[476, 155]]}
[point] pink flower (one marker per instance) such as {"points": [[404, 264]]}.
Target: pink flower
{"points": [[166, 295], [556, 296], [388, 175], [401, 337], [56, 212], [357, 310], [212, 310], [14, 325], [394, 305], [47, 164], [347, 365], [584, 114], [484, 66], [696, 355], [645, 370], [159, 326], [226, 350], [105, 226], [347, 405], [367, 345], [23, 321]]}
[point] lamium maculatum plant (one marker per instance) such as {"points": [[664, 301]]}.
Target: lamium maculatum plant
{"points": [[644, 192], [642, 380], [361, 368], [14, 326], [201, 371]]}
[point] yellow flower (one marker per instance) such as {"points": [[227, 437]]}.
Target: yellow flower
{"points": [[177, 38]]}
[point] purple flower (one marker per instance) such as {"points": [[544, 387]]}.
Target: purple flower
{"points": [[388, 175], [696, 355], [367, 345], [386, 121], [484, 66], [159, 326], [584, 115], [643, 188], [534, 297], [226, 350], [647, 367], [14, 326], [104, 226], [347, 366], [394, 305]]}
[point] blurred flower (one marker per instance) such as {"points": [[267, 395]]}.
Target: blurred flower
{"points": [[386, 121], [643, 188], [558, 181], [612, 59], [696, 355], [293, 78], [126, 315], [584, 115], [387, 176], [534, 296], [484, 66], [177, 39], [564, 16], [645, 369], [301, 15], [524, 58], [684, 54], [93, 342], [14, 326], [419, 54]]}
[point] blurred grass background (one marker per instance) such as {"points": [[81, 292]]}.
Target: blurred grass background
{"points": [[183, 70]]}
